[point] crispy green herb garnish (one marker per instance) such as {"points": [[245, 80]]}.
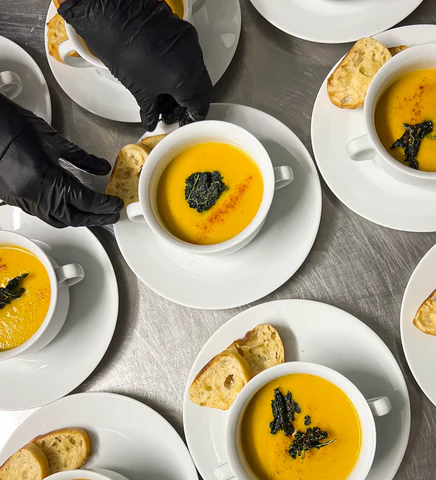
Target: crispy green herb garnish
{"points": [[203, 189], [12, 291], [410, 142], [284, 409], [311, 438], [307, 420]]}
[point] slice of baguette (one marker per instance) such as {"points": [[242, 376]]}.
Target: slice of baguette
{"points": [[349, 83], [425, 318], [56, 4], [261, 348], [57, 34], [65, 449], [29, 463], [151, 142], [395, 50], [218, 384], [124, 180]]}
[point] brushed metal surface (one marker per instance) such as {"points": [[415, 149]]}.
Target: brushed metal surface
{"points": [[354, 265]]}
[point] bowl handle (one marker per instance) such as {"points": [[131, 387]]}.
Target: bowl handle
{"points": [[134, 212], [224, 472], [70, 274], [283, 176], [361, 149], [380, 406]]}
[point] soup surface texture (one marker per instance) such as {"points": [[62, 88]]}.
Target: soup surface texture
{"points": [[329, 409], [234, 209], [412, 100], [21, 318]]}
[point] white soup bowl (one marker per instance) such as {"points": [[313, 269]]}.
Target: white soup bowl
{"points": [[61, 278], [236, 466], [180, 140], [369, 146]]}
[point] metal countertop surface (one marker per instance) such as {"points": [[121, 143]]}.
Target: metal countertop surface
{"points": [[280, 75]]}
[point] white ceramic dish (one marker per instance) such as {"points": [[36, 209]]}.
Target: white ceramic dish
{"points": [[366, 409], [262, 266], [197, 133], [10, 84], [127, 436], [368, 147], [85, 337], [86, 58], [218, 25], [34, 95], [329, 21], [98, 474], [363, 186], [317, 333], [420, 348], [61, 278]]}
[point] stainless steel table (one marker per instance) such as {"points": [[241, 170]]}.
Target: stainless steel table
{"points": [[355, 265]]}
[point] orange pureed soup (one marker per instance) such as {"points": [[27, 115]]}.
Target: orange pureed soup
{"points": [[328, 408], [22, 317], [235, 208], [411, 99]]}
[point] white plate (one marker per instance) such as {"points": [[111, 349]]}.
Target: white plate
{"points": [[219, 26], [334, 21], [267, 262], [311, 332], [420, 348], [35, 95], [362, 186], [66, 362], [126, 436]]}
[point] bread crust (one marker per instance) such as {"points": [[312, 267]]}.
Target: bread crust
{"points": [[35, 452], [363, 45], [417, 323]]}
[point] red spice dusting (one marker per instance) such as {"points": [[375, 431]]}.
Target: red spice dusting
{"points": [[221, 213]]}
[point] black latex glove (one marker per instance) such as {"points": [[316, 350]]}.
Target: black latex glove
{"points": [[151, 51], [32, 179]]}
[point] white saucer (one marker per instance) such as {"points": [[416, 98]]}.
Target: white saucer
{"points": [[362, 186], [219, 26], [331, 21], [420, 348], [261, 267], [311, 332], [35, 95], [65, 363], [127, 437]]}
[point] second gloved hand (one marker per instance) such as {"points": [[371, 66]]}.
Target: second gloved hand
{"points": [[153, 53], [32, 179]]}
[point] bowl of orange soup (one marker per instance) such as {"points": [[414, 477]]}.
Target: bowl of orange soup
{"points": [[207, 188], [301, 421], [34, 295], [400, 118]]}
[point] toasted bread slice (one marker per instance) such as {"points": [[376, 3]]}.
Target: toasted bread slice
{"points": [[261, 348], [349, 83], [65, 449], [29, 463], [56, 35], [220, 381], [124, 180], [395, 50], [151, 142], [425, 318]]}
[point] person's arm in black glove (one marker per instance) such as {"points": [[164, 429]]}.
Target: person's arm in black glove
{"points": [[32, 179], [151, 51]]}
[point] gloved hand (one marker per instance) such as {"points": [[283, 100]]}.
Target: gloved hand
{"points": [[151, 51], [32, 179]]}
